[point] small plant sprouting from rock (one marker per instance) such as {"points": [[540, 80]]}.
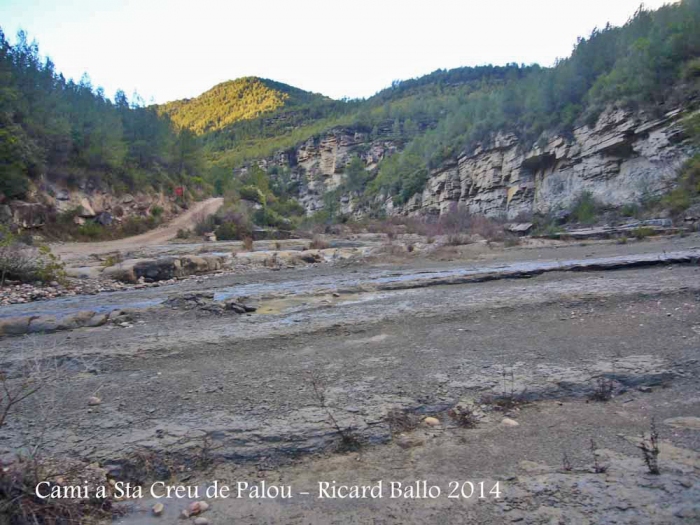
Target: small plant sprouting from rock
{"points": [[463, 416], [508, 398], [566, 463], [603, 390], [401, 421], [598, 468], [605, 386], [650, 449], [348, 440]]}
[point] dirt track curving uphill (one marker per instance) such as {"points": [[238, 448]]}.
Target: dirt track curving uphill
{"points": [[74, 250]]}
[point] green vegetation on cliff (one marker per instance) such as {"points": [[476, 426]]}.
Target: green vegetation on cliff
{"points": [[70, 130], [650, 63]]}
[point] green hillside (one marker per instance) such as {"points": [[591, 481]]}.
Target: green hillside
{"points": [[233, 101], [69, 131], [651, 63]]}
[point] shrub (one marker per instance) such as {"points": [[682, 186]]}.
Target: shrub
{"points": [[26, 263], [586, 209], [688, 188], [226, 232], [317, 243], [267, 217], [642, 232], [91, 230], [184, 233], [252, 193], [13, 184], [205, 225], [157, 211]]}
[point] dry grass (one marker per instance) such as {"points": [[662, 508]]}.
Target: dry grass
{"points": [[400, 421], [317, 243]]}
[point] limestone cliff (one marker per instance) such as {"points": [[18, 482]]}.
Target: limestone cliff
{"points": [[622, 159]]}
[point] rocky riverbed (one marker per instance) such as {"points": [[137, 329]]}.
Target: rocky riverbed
{"points": [[401, 353]]}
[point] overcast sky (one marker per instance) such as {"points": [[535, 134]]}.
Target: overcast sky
{"points": [[170, 49]]}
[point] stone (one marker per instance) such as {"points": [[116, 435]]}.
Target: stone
{"points": [[43, 324], [77, 320], [508, 422], [520, 228], [94, 401], [158, 509], [127, 199], [431, 421], [120, 272], [104, 218], [62, 195], [14, 326], [28, 214], [85, 209], [234, 306], [201, 521], [692, 423], [406, 441], [197, 507]]}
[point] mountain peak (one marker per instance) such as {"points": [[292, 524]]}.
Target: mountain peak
{"points": [[226, 103]]}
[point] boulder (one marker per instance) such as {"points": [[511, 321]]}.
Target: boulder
{"points": [[85, 209], [14, 326], [120, 272], [213, 263], [158, 269], [76, 320], [62, 195], [193, 264], [105, 218], [28, 214], [43, 324]]}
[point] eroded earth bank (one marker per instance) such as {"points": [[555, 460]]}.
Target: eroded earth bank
{"points": [[542, 368]]}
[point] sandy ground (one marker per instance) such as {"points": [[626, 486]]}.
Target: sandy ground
{"points": [[235, 398], [75, 250]]}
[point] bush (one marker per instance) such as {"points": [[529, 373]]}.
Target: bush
{"points": [[268, 217], [687, 190], [642, 232], [252, 193], [21, 262], [91, 230], [13, 184], [586, 209], [317, 243], [184, 233], [205, 225], [157, 211], [226, 232]]}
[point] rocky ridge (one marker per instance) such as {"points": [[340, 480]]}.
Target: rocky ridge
{"points": [[624, 158]]}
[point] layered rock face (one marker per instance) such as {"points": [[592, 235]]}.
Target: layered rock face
{"points": [[318, 164], [623, 159]]}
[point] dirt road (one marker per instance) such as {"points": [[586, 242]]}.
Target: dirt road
{"points": [[74, 250]]}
